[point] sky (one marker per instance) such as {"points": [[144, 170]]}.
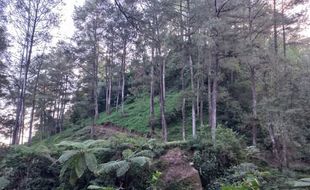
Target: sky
{"points": [[66, 27]]}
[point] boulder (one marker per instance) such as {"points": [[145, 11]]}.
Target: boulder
{"points": [[177, 172]]}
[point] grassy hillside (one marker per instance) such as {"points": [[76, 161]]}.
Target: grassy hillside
{"points": [[135, 118], [136, 113]]}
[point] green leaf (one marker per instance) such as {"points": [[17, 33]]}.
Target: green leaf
{"points": [[4, 183], [77, 145], [145, 153], [302, 183], [63, 170], [80, 166], [73, 177], [91, 162], [98, 150], [141, 160], [99, 188], [91, 143], [67, 155], [122, 170], [111, 166], [127, 153]]}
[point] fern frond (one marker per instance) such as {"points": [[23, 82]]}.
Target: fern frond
{"points": [[123, 169], [67, 155], [145, 153], [111, 166], [4, 183], [71, 144], [141, 160]]}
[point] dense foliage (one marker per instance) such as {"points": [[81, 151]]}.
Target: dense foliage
{"points": [[222, 84]]}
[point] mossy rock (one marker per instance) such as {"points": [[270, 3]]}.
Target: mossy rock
{"points": [[178, 174]]}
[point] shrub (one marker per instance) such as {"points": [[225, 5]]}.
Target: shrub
{"points": [[29, 168], [213, 161]]}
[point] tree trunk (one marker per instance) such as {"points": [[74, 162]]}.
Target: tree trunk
{"points": [[33, 104], [284, 149], [107, 84], [118, 93], [273, 142], [152, 111], [190, 62], [20, 108], [123, 74], [275, 33], [214, 100], [283, 29], [198, 99], [162, 96], [254, 103], [183, 104], [193, 98], [182, 74], [63, 104], [209, 89], [201, 114]]}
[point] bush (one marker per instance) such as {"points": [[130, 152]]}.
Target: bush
{"points": [[212, 162], [29, 169]]}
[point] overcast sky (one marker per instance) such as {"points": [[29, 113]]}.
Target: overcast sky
{"points": [[66, 27]]}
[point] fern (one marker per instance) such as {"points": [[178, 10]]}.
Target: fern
{"points": [[141, 161], [67, 155], [302, 183], [111, 166], [121, 171], [3, 183], [121, 167], [80, 158], [95, 187]]}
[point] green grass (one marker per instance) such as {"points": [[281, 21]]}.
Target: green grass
{"points": [[136, 114], [135, 118]]}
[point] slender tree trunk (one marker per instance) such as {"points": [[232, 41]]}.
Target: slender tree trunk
{"points": [[24, 86], [190, 61], [183, 104], [214, 100], [209, 89], [193, 99], [273, 142], [182, 74], [209, 96], [152, 111], [118, 94], [198, 99], [254, 103], [95, 80], [275, 32], [110, 93], [283, 29], [123, 74], [162, 96], [107, 84], [33, 104], [64, 103], [201, 113], [284, 149], [110, 79]]}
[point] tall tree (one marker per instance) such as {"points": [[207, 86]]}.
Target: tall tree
{"points": [[34, 19]]}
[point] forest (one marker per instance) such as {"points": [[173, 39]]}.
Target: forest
{"points": [[155, 95]]}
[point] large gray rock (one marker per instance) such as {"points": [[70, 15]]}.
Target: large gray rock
{"points": [[177, 172]]}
